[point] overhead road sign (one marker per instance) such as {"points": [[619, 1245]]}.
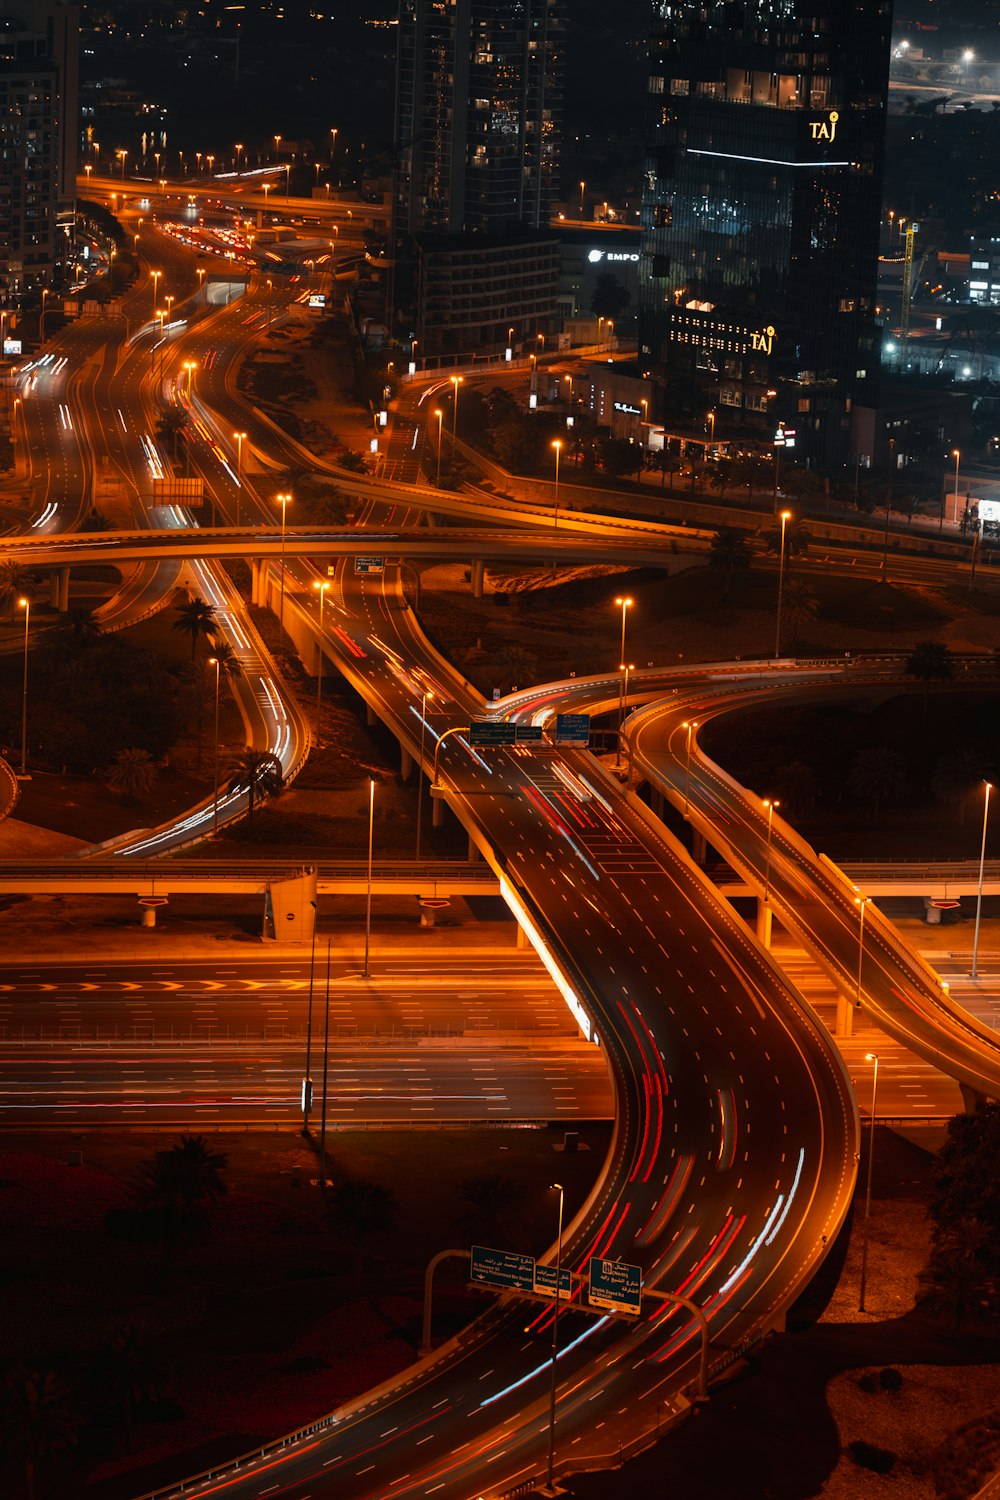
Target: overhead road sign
{"points": [[492, 732], [545, 1282], [529, 734], [572, 729], [369, 564], [615, 1286], [503, 1268]]}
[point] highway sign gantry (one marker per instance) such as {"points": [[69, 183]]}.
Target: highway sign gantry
{"points": [[503, 1268], [615, 1286], [573, 729], [369, 564], [504, 732]]}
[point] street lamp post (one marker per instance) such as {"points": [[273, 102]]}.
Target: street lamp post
{"points": [[24, 604], [440, 416], [368, 899], [239, 436], [786, 516], [307, 1077], [321, 589], [626, 668], [214, 662], [974, 974], [557, 445], [690, 725], [862, 902], [155, 277], [770, 805], [871, 1057], [283, 502], [456, 381], [624, 603], [558, 1187], [425, 696], [956, 454]]}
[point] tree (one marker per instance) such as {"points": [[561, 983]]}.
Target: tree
{"points": [[96, 520], [133, 774], [196, 619], [796, 788], [730, 554], [929, 661], [259, 774], [516, 662], [959, 1282], [519, 443], [619, 456], [611, 297], [722, 475], [359, 1209], [959, 774], [125, 1376], [37, 1420], [492, 1211], [799, 606], [16, 582], [181, 1182], [965, 1183], [878, 775], [229, 663], [798, 538], [171, 424]]}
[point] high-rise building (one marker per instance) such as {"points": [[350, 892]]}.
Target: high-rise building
{"points": [[38, 130], [478, 107], [761, 213]]}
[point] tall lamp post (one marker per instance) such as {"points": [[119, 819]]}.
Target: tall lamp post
{"points": [[862, 902], [213, 661], [283, 502], [440, 416], [770, 805], [624, 604], [307, 1083], [557, 1187], [956, 454], [626, 668], [982, 863], [786, 516], [871, 1057], [321, 589], [425, 698], [456, 381], [155, 275], [690, 725], [24, 604], [238, 437], [557, 445], [368, 900]]}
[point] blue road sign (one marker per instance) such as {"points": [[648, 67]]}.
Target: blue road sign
{"points": [[545, 1282], [369, 564], [492, 732], [572, 729], [615, 1285], [504, 1268], [529, 734]]}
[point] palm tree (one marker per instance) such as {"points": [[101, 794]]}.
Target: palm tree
{"points": [[15, 583], [730, 554], [171, 423], [878, 775], [181, 1182], [37, 1420], [359, 1209], [958, 1284], [721, 475], [125, 1376], [492, 1214], [958, 774], [229, 663], [133, 773], [259, 774], [196, 619], [929, 660], [798, 538], [797, 789], [516, 662], [800, 605]]}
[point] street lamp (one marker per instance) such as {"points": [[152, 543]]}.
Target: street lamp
{"points": [[871, 1057], [974, 974], [155, 276], [283, 502], [956, 454], [770, 805], [456, 381], [440, 416], [238, 438], [690, 725], [189, 365], [558, 1188], [625, 668], [24, 604], [321, 589], [557, 445], [862, 902], [786, 516], [368, 901], [213, 661], [624, 603], [425, 697]]}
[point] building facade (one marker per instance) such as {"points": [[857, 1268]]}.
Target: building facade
{"points": [[761, 212], [38, 126]]}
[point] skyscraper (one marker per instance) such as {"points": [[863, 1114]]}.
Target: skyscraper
{"points": [[478, 106], [761, 213], [38, 125]]}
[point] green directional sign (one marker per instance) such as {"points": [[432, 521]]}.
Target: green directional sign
{"points": [[529, 734], [503, 1268], [615, 1286], [369, 564], [492, 732], [545, 1282], [572, 729]]}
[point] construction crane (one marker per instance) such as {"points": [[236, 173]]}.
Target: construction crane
{"points": [[904, 327]]}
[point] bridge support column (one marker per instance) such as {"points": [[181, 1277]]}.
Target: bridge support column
{"points": [[430, 518], [149, 916], [475, 855], [764, 917], [59, 589], [370, 718], [972, 1099], [699, 847], [522, 937], [437, 811], [293, 908], [845, 1017], [478, 569], [405, 764], [255, 571]]}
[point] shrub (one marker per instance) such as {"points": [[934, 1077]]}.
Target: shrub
{"points": [[868, 1456], [890, 1379], [868, 1382]]}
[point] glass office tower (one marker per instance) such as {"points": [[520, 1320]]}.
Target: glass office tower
{"points": [[761, 212]]}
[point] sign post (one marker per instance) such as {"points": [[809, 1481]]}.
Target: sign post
{"points": [[615, 1286]]}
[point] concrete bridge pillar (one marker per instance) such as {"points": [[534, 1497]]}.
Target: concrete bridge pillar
{"points": [[370, 718], [474, 852], [522, 937], [478, 570], [972, 1099], [845, 1017], [764, 917], [293, 908], [699, 846], [406, 764], [437, 811], [255, 587], [59, 589]]}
